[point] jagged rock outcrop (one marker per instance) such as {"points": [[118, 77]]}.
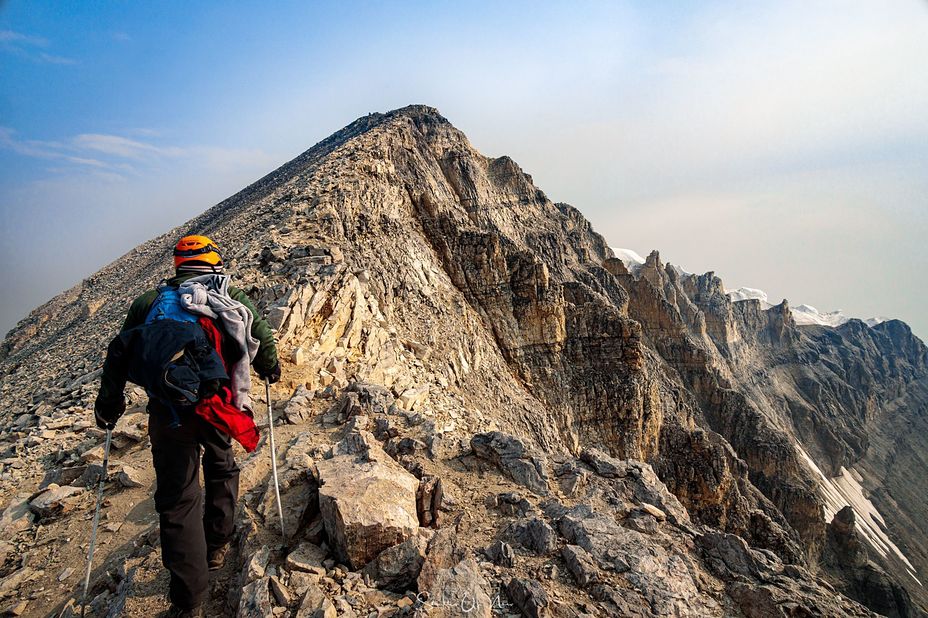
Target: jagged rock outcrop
{"points": [[762, 586], [479, 397], [847, 560]]}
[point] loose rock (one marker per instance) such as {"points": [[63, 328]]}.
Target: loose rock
{"points": [[533, 534], [54, 501], [256, 600], [458, 591], [16, 518], [315, 604], [297, 409], [307, 557], [129, 477], [513, 458], [530, 597], [501, 554], [581, 564]]}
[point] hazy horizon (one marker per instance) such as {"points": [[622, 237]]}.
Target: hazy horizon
{"points": [[782, 146]]}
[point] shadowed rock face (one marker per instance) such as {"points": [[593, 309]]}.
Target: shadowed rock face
{"points": [[395, 253], [847, 561]]}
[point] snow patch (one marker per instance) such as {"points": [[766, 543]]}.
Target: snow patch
{"points": [[631, 259], [807, 314], [748, 294], [846, 490]]}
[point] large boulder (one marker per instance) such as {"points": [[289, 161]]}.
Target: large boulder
{"points": [[368, 501]]}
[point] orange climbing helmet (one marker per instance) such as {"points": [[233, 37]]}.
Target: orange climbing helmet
{"points": [[197, 253]]}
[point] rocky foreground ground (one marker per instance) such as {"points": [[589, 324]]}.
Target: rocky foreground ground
{"points": [[386, 516]]}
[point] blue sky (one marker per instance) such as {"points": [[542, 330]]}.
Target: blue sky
{"points": [[783, 145]]}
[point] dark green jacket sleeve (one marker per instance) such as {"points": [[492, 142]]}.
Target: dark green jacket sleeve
{"points": [[139, 309], [267, 350], [113, 380]]}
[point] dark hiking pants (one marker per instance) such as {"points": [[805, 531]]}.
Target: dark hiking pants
{"points": [[189, 527]]}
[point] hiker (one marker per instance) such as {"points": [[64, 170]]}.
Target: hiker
{"points": [[190, 343]]}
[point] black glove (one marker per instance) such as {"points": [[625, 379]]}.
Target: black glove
{"points": [[107, 413], [272, 375]]}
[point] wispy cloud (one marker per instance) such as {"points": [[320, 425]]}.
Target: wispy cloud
{"points": [[119, 146], [40, 149], [8, 37], [117, 154], [31, 47], [53, 59]]}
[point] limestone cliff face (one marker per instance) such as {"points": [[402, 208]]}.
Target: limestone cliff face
{"points": [[396, 254], [689, 324]]}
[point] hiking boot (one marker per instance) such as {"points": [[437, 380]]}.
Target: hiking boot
{"points": [[196, 612], [217, 557]]}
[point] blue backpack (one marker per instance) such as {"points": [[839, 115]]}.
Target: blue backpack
{"points": [[167, 307]]}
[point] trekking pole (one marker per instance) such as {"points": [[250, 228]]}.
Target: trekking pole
{"points": [[270, 425], [96, 518]]}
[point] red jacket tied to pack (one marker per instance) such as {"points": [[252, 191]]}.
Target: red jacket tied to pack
{"points": [[218, 410]]}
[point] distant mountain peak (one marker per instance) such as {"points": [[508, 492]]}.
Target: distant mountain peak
{"points": [[803, 314]]}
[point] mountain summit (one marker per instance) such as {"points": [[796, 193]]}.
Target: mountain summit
{"points": [[486, 406]]}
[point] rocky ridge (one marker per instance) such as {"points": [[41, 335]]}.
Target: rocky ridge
{"points": [[486, 409]]}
